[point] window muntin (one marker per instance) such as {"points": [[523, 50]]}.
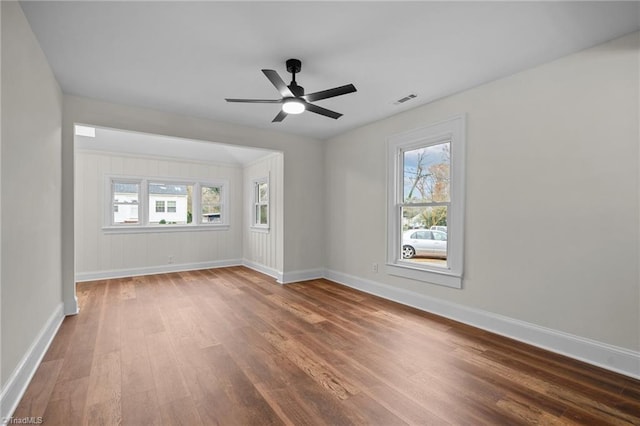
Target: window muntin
{"points": [[152, 203], [261, 203], [426, 195]]}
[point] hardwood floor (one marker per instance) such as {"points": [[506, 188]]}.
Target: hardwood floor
{"points": [[231, 347]]}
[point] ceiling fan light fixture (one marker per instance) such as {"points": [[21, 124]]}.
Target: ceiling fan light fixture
{"points": [[293, 106]]}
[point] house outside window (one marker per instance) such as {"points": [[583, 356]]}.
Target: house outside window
{"points": [[426, 203], [125, 197], [178, 194], [260, 203]]}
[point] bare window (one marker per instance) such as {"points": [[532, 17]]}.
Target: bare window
{"points": [[426, 203]]}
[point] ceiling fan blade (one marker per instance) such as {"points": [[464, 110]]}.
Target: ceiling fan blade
{"points": [[281, 115], [256, 101], [322, 111], [275, 79], [330, 93]]}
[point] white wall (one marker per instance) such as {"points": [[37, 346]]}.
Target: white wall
{"points": [[552, 196], [302, 163], [262, 249], [31, 170], [107, 254]]}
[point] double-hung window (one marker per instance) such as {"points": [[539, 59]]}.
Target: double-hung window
{"points": [[151, 204], [426, 203], [261, 203]]}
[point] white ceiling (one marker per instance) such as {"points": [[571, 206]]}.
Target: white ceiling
{"points": [[186, 57], [143, 144]]}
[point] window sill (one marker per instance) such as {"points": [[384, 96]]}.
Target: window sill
{"points": [[259, 229], [444, 277], [136, 229]]}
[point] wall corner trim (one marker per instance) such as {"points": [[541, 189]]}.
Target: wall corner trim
{"points": [[17, 383], [613, 358], [262, 269]]}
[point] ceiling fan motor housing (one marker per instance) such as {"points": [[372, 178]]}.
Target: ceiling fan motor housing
{"points": [[297, 91], [294, 65]]}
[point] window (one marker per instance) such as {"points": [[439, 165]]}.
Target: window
{"points": [[145, 204], [426, 197], [211, 204], [124, 198], [166, 194], [261, 203]]}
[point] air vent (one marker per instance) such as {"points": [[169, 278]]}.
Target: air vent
{"points": [[405, 99]]}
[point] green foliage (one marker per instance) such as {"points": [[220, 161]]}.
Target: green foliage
{"points": [[162, 222], [435, 216]]}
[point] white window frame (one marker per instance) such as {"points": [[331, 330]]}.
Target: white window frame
{"points": [[143, 224], [452, 130], [255, 202], [110, 201]]}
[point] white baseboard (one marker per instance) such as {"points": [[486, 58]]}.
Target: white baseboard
{"points": [[262, 269], [305, 275], [150, 270], [620, 360], [17, 383]]}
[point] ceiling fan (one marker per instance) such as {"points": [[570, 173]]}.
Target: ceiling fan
{"points": [[293, 100]]}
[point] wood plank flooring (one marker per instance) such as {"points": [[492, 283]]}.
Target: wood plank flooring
{"points": [[231, 347]]}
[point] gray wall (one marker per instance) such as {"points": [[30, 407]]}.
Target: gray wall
{"points": [[31, 170], [552, 196]]}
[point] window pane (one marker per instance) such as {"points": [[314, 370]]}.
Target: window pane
{"points": [[426, 174], [125, 202], [263, 214], [424, 236], [263, 193], [211, 204], [163, 194]]}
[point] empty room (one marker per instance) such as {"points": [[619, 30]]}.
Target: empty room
{"points": [[320, 213]]}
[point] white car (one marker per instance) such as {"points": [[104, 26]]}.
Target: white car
{"points": [[424, 242], [439, 228]]}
